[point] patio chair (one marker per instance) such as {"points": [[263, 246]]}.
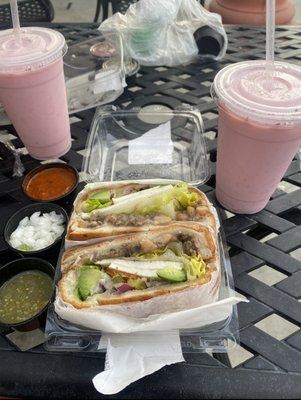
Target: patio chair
{"points": [[29, 11]]}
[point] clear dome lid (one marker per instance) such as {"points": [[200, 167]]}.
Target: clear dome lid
{"points": [[33, 48], [247, 90]]}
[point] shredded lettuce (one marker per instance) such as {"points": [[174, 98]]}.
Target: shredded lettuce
{"points": [[137, 283], [170, 209], [176, 248], [90, 266], [194, 266], [149, 256], [177, 198], [103, 195], [165, 199]]}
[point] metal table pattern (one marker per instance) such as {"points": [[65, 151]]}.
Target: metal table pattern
{"points": [[273, 364]]}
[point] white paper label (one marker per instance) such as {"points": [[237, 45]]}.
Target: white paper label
{"points": [[154, 147], [106, 81]]}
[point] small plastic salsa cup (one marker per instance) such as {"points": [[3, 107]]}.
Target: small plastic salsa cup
{"points": [[16, 267], [51, 182], [13, 222]]}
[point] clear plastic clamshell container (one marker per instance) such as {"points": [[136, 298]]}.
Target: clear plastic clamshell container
{"points": [[145, 144], [218, 337], [94, 72]]}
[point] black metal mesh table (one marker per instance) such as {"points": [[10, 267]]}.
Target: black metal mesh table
{"points": [[263, 247]]}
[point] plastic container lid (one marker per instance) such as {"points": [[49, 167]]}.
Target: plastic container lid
{"points": [[103, 49], [33, 48], [94, 72], [91, 54], [245, 89], [124, 145]]}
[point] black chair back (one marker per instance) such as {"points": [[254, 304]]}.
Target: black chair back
{"points": [[29, 11]]}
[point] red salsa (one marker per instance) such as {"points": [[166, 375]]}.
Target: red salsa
{"points": [[51, 183]]}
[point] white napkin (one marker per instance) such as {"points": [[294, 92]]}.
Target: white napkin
{"points": [[132, 356]]}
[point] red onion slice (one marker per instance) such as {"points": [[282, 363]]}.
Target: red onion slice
{"points": [[123, 287]]}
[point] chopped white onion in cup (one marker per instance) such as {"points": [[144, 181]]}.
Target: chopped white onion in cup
{"points": [[38, 231]]}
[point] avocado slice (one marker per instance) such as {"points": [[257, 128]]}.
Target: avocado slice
{"points": [[93, 204], [172, 275], [103, 195], [99, 199], [88, 278]]}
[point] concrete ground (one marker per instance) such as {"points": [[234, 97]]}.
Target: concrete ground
{"points": [[74, 11], [84, 10]]}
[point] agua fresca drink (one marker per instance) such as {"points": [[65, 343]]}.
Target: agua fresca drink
{"points": [[32, 89], [259, 131]]}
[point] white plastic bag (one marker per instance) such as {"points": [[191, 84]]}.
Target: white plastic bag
{"points": [[161, 32]]}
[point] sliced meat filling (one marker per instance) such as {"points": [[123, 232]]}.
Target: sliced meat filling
{"points": [[191, 214], [189, 243], [137, 220]]}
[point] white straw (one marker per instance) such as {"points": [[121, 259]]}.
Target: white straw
{"points": [[270, 35], [15, 15]]}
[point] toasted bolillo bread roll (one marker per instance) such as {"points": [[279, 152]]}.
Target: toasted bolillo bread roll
{"points": [[139, 266], [109, 209]]}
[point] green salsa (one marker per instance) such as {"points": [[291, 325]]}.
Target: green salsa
{"points": [[24, 295]]}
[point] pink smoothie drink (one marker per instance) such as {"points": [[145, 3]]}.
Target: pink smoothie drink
{"points": [[32, 90], [259, 132]]}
